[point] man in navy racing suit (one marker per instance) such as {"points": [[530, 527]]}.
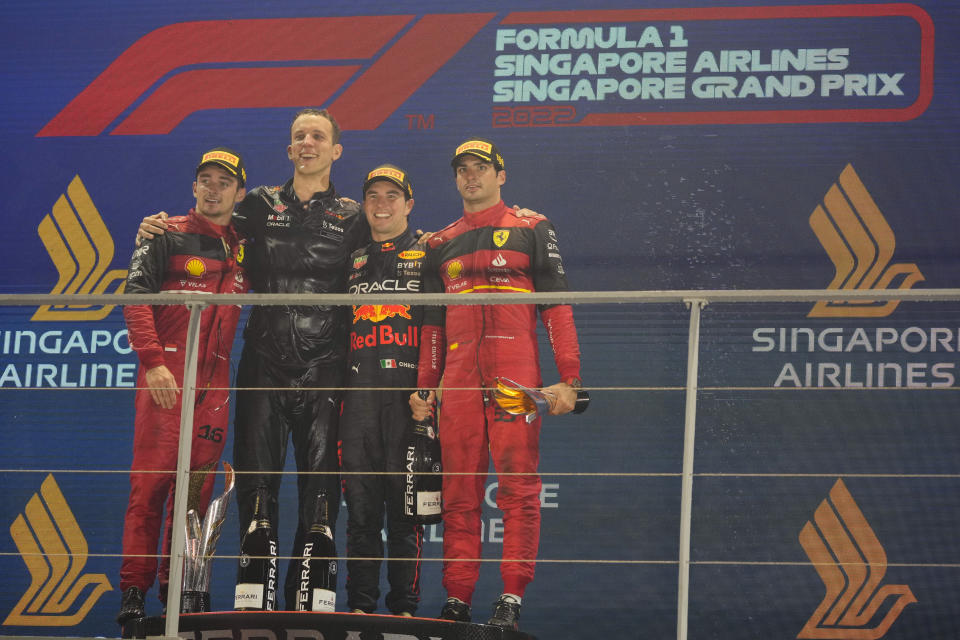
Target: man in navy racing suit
{"points": [[384, 350]]}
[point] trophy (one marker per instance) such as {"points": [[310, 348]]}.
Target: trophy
{"points": [[200, 547], [519, 400]]}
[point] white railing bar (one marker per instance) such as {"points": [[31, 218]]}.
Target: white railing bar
{"points": [[179, 542], [686, 482], [710, 296]]}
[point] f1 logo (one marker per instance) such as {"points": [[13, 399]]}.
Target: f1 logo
{"points": [[397, 53]]}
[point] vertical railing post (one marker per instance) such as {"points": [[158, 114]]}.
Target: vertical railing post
{"points": [[686, 493], [178, 544]]}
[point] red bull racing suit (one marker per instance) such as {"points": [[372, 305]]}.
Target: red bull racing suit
{"points": [[194, 256], [295, 247], [491, 251], [384, 350]]}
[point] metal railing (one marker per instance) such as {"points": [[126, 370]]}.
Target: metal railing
{"points": [[695, 300]]}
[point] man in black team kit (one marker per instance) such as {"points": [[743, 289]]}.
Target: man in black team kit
{"points": [[384, 349], [300, 236]]}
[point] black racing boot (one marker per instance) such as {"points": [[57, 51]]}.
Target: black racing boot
{"points": [[131, 605], [455, 609], [506, 613]]}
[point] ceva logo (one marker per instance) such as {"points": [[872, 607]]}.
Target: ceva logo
{"points": [[81, 248], [852, 563], [55, 551], [362, 55], [860, 243]]}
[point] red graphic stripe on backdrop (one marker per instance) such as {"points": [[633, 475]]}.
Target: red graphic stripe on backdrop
{"points": [[231, 89], [410, 62], [217, 41]]}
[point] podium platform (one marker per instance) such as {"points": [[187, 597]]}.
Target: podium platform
{"points": [[305, 625]]}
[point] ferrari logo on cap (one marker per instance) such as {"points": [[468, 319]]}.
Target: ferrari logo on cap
{"points": [[500, 237]]}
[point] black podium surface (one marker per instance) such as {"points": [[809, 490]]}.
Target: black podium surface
{"points": [[304, 625]]}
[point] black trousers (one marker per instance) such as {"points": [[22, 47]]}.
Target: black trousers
{"points": [[264, 422], [373, 429]]}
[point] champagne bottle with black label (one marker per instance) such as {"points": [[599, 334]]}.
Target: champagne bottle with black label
{"points": [[257, 575], [421, 499], [318, 565]]}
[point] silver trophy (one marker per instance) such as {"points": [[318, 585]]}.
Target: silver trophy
{"points": [[517, 399], [200, 547]]}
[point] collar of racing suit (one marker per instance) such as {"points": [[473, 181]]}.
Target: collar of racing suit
{"points": [[210, 228], [485, 217], [402, 241]]}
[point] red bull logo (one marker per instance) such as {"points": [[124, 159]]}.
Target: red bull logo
{"points": [[380, 312], [383, 335]]}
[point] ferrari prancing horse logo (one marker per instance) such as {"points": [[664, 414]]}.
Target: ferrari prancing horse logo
{"points": [[500, 237]]}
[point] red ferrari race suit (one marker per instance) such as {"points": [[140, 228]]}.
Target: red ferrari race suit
{"points": [[193, 256], [491, 251]]}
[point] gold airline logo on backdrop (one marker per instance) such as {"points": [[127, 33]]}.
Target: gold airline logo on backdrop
{"points": [[860, 243], [852, 563], [54, 549], [81, 248]]}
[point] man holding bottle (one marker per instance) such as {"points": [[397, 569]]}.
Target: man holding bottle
{"points": [[491, 250], [384, 349]]}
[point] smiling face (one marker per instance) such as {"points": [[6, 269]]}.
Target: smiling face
{"points": [[386, 208], [478, 182], [312, 148], [217, 193]]}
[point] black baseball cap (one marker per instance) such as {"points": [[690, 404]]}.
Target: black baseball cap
{"points": [[483, 149], [227, 159], [391, 173]]}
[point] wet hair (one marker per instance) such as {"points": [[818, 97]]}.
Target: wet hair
{"points": [[323, 113]]}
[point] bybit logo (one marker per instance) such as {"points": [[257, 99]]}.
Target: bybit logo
{"points": [[81, 248], [860, 243], [852, 563], [55, 551]]}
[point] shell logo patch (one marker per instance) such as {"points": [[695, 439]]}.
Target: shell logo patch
{"points": [[195, 267], [454, 269]]}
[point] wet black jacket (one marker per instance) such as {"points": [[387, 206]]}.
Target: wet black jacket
{"points": [[299, 247]]}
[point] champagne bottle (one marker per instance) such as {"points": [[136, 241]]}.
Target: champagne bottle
{"points": [[318, 567], [257, 575], [421, 499]]}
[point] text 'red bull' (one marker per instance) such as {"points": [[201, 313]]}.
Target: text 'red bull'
{"points": [[384, 334]]}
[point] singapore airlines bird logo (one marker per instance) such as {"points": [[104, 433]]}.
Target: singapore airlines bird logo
{"points": [[81, 248], [860, 244], [852, 564], [54, 549]]}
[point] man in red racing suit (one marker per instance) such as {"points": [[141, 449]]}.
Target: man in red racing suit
{"points": [[491, 250], [200, 253]]}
